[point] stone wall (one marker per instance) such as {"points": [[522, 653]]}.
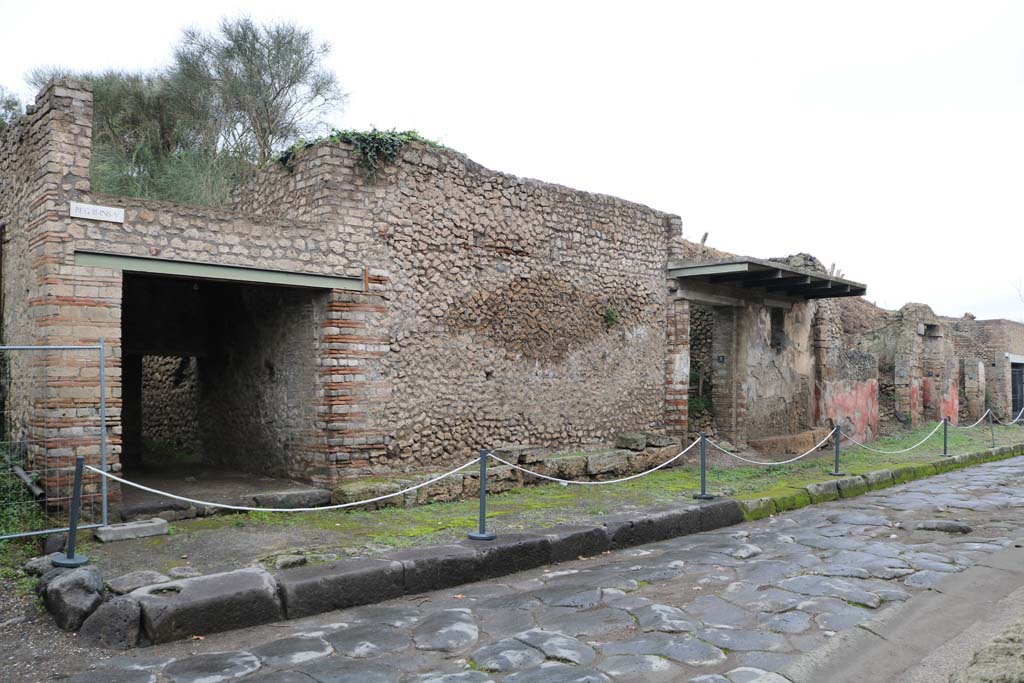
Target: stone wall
{"points": [[701, 414], [170, 407], [919, 373], [987, 342], [513, 311], [44, 159], [778, 386], [494, 309]]}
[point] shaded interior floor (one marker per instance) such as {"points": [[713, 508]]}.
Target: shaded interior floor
{"points": [[198, 481]]}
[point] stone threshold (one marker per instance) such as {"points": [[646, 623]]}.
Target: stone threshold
{"points": [[173, 610]]}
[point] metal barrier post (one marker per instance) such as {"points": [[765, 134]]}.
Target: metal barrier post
{"points": [[839, 437], [482, 534], [945, 436], [69, 559], [103, 428], [991, 429], [703, 495]]}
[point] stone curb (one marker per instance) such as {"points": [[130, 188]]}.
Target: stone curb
{"points": [[858, 485], [219, 602], [348, 583]]}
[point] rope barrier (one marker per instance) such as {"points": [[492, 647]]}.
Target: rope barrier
{"points": [[980, 420], [566, 482], [243, 508], [780, 462], [1013, 421], [904, 450]]}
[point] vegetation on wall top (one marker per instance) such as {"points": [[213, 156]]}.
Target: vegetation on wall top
{"points": [[374, 147], [194, 130]]}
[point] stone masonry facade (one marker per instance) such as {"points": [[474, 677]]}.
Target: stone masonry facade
{"points": [[492, 310]]}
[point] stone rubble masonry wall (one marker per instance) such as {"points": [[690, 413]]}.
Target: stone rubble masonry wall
{"points": [[495, 310], [702, 320], [987, 342], [917, 356], [778, 383], [491, 327], [170, 405]]}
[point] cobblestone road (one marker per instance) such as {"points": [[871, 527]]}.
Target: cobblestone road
{"points": [[717, 607]]}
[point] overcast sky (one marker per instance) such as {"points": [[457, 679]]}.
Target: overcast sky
{"points": [[886, 137]]}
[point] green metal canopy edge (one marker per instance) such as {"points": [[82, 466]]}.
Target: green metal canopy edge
{"points": [[209, 271]]}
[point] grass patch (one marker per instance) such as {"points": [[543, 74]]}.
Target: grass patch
{"points": [[370, 532]]}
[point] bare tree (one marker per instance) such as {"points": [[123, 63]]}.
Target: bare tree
{"points": [[254, 88]]}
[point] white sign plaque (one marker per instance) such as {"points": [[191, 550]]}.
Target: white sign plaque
{"points": [[97, 213]]}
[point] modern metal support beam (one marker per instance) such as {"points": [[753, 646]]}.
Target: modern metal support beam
{"points": [[208, 271]]}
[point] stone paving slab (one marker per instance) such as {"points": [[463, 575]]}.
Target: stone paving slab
{"points": [[728, 605]]}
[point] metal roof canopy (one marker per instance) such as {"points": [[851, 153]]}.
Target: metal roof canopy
{"points": [[208, 271], [777, 279]]}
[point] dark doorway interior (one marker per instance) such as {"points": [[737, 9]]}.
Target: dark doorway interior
{"points": [[1017, 387], [218, 374]]}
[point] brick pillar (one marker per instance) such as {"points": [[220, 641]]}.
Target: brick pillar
{"points": [[64, 304], [677, 368], [354, 345]]}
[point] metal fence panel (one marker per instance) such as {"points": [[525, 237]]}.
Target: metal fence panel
{"points": [[52, 409]]}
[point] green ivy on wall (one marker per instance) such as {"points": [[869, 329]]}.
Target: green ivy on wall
{"points": [[374, 147]]}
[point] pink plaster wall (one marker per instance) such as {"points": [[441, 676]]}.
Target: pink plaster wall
{"points": [[854, 405]]}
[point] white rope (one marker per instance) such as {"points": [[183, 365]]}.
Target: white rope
{"points": [[780, 462], [1013, 421], [980, 419], [566, 482], [243, 508], [904, 450]]}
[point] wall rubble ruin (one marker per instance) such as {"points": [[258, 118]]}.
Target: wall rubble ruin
{"points": [[493, 309]]}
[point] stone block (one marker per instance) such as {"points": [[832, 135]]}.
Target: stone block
{"points": [[337, 585], [793, 500], [54, 543], [72, 596], [115, 625], [627, 530], [499, 479], [757, 508], [510, 553], [126, 583], [436, 567], [570, 467], [660, 441], [572, 542], [719, 513], [129, 530], [879, 479], [665, 453], [208, 604], [849, 487], [607, 464], [823, 491], [631, 441], [444, 491], [304, 498], [901, 475], [355, 490], [38, 566], [520, 454]]}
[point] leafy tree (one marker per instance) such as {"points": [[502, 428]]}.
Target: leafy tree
{"points": [[190, 132], [254, 89], [10, 107]]}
